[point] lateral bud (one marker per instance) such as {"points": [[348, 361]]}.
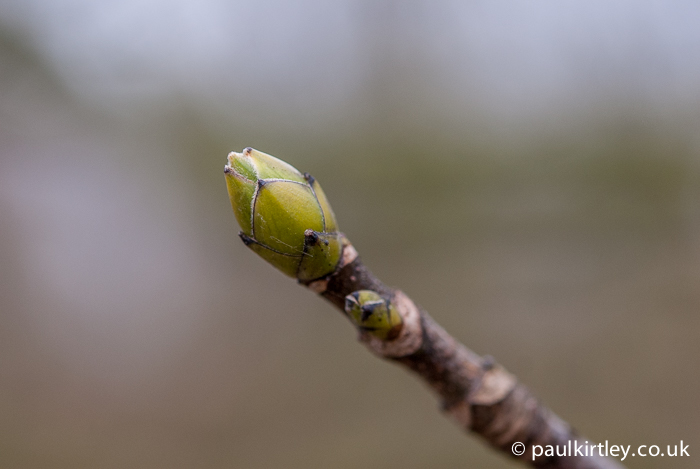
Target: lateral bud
{"points": [[374, 314]]}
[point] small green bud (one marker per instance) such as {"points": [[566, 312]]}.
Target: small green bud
{"points": [[284, 215], [372, 313]]}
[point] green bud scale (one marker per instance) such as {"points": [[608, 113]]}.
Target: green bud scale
{"points": [[284, 215], [373, 313]]}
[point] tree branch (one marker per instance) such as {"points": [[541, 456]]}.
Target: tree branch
{"points": [[287, 220], [480, 395]]}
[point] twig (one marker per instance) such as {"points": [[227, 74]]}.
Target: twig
{"points": [[479, 394], [287, 220]]}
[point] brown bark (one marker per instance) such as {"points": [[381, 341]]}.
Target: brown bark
{"points": [[477, 392]]}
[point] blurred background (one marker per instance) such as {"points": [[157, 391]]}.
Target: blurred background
{"points": [[529, 172]]}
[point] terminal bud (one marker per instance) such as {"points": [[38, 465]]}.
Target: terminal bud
{"points": [[284, 215]]}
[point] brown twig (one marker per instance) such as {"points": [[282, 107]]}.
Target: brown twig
{"points": [[480, 395]]}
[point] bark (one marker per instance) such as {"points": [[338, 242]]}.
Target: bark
{"points": [[479, 394]]}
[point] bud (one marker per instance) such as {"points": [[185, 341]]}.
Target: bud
{"points": [[284, 215], [372, 313]]}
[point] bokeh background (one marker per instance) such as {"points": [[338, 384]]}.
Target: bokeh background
{"points": [[529, 172]]}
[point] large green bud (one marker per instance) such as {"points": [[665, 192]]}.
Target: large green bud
{"points": [[374, 314], [284, 215]]}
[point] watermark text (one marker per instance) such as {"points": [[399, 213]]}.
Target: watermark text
{"points": [[576, 448]]}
